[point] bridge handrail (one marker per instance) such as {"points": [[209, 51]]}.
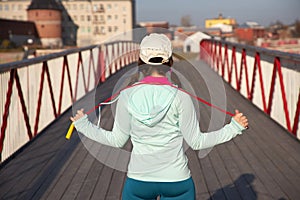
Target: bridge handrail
{"points": [[49, 84], [244, 63], [270, 52], [24, 63]]}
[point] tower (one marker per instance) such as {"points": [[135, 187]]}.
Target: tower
{"points": [[47, 16]]}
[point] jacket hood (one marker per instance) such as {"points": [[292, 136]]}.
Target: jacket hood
{"points": [[149, 103]]}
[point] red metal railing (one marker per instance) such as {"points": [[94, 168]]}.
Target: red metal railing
{"points": [[244, 63], [40, 89]]}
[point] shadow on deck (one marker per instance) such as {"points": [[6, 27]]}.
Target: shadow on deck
{"points": [[263, 163]]}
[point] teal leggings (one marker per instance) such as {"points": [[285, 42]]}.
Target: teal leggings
{"points": [[142, 190]]}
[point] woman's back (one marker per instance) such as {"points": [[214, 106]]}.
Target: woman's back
{"points": [[158, 153]]}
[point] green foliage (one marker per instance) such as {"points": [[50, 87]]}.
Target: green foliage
{"points": [[297, 29], [6, 44]]}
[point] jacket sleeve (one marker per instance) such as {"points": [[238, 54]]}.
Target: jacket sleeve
{"points": [[189, 126], [115, 138]]}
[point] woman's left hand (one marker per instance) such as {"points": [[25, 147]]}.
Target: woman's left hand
{"points": [[241, 119]]}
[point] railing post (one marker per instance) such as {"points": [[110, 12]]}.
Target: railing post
{"points": [[6, 110], [73, 67], [211, 46]]}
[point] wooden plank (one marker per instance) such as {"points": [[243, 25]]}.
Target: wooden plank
{"points": [[78, 180], [245, 168], [270, 156], [115, 189], [47, 175], [242, 182], [33, 160], [197, 175], [87, 188], [226, 173], [262, 163], [211, 179], [104, 180], [263, 173], [118, 178], [70, 171]]}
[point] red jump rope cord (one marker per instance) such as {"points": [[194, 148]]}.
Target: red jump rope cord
{"points": [[142, 83]]}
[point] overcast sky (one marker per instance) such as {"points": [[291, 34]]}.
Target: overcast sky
{"points": [[262, 11]]}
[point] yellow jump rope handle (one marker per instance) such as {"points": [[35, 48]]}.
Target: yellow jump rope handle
{"points": [[70, 131]]}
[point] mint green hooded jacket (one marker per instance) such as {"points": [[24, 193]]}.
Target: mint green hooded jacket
{"points": [[157, 119]]}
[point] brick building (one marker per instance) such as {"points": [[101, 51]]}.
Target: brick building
{"points": [[19, 32], [249, 32], [47, 15], [83, 22]]}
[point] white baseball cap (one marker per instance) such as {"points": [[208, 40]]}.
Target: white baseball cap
{"points": [[153, 46]]}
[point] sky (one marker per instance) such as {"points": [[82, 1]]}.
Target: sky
{"points": [[264, 12]]}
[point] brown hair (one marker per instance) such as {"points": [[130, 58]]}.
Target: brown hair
{"points": [[146, 70]]}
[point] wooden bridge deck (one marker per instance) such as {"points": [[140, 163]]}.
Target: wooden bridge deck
{"points": [[263, 163]]}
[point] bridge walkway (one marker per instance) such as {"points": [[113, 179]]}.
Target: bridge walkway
{"points": [[263, 163]]}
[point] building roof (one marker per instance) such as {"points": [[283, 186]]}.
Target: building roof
{"points": [[251, 25], [44, 4], [16, 27]]}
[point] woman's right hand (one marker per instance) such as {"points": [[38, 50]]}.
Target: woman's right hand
{"points": [[78, 115]]}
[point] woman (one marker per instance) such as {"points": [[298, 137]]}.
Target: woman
{"points": [[157, 117]]}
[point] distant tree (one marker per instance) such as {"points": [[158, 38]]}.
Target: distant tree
{"points": [[278, 25], [186, 21], [6, 44], [297, 29]]}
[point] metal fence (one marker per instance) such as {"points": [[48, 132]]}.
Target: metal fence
{"points": [[36, 91], [270, 79]]}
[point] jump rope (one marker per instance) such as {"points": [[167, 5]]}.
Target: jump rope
{"points": [[114, 98]]}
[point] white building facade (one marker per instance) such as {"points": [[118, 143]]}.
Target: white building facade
{"points": [[84, 22]]}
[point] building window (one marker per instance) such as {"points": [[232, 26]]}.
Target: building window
{"points": [[81, 17], [109, 29], [96, 18], [124, 8], [81, 7], [88, 18], [75, 18], [96, 32], [74, 6], [95, 8], [88, 29], [0, 7], [116, 17], [108, 17], [101, 7], [102, 30], [20, 7], [82, 29], [116, 28], [6, 7], [108, 6], [13, 7]]}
